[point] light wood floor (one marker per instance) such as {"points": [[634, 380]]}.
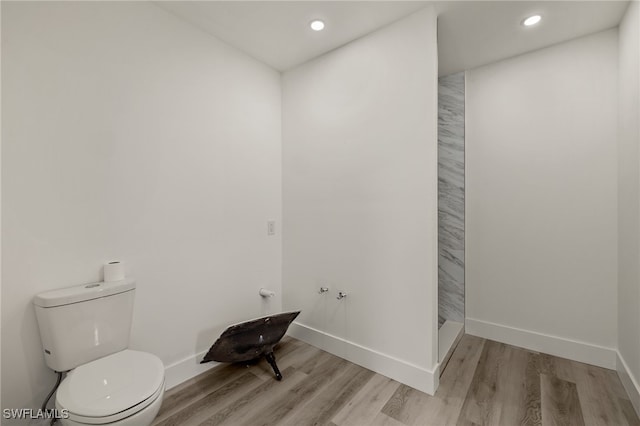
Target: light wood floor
{"points": [[484, 383]]}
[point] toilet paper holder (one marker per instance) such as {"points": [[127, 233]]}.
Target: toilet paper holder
{"points": [[266, 293]]}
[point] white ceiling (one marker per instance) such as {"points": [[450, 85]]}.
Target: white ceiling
{"points": [[470, 33], [474, 33], [277, 32]]}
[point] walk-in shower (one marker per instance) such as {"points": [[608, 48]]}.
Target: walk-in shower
{"points": [[451, 191]]}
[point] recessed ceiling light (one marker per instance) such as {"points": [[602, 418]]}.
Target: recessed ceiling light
{"points": [[317, 25], [531, 20]]}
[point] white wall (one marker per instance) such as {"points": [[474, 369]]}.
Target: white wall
{"points": [[0, 203], [542, 199], [629, 202], [360, 199], [128, 134]]}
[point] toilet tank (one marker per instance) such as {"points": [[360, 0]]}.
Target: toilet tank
{"points": [[83, 323]]}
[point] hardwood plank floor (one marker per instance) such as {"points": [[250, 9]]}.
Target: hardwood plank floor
{"points": [[485, 383], [560, 402], [367, 403]]}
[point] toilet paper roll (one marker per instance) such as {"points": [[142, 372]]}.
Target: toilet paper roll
{"points": [[114, 271]]}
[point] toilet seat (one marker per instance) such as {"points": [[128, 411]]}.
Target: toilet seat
{"points": [[111, 388]]}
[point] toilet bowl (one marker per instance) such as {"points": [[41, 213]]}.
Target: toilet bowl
{"points": [[124, 388]]}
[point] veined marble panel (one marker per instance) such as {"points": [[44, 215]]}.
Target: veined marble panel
{"points": [[451, 198]]}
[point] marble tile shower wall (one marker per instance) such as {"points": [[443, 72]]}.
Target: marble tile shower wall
{"points": [[451, 198]]}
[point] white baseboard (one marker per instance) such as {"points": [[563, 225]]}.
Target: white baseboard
{"points": [[404, 372], [630, 383], [185, 369], [552, 345]]}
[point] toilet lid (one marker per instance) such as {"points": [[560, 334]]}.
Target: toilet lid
{"points": [[111, 385]]}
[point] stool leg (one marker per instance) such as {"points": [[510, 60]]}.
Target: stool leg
{"points": [[272, 362]]}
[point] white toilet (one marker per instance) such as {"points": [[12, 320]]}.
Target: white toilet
{"points": [[86, 329]]}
